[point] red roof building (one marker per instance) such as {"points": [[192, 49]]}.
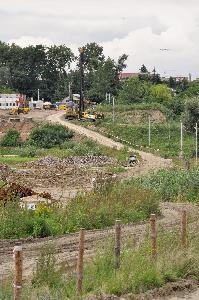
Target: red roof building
{"points": [[123, 76]]}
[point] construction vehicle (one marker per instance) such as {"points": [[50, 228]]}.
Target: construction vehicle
{"points": [[88, 115], [62, 107], [19, 110], [71, 113]]}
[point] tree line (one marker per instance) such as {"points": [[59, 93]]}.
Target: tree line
{"points": [[52, 69], [49, 69]]}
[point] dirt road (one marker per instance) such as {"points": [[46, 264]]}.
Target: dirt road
{"points": [[149, 163]]}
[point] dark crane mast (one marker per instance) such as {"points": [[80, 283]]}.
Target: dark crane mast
{"points": [[81, 99]]}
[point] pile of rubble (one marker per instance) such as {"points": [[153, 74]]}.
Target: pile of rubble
{"points": [[14, 191], [73, 160]]}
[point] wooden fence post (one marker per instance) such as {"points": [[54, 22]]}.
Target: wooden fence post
{"points": [[117, 243], [18, 272], [80, 262], [153, 235], [184, 228]]}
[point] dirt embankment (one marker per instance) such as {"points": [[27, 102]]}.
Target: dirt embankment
{"points": [[138, 116], [23, 123]]}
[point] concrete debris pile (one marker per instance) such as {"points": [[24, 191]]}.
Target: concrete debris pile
{"points": [[73, 160]]}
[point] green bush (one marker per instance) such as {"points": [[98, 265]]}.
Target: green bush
{"points": [[29, 151], [11, 139], [49, 135]]}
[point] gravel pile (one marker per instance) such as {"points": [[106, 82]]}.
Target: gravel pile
{"points": [[74, 160]]}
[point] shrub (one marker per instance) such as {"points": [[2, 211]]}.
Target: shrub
{"points": [[50, 135], [11, 139], [29, 151]]}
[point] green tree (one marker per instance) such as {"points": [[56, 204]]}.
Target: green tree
{"points": [[191, 113], [106, 78], [135, 91], [161, 93], [189, 89], [144, 74], [143, 69]]}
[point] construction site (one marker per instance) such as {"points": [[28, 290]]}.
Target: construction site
{"points": [[99, 177]]}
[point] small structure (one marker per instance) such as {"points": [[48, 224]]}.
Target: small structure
{"points": [[8, 101], [36, 104], [31, 202]]}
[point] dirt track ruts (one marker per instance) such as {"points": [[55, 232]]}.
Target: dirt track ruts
{"points": [[65, 247]]}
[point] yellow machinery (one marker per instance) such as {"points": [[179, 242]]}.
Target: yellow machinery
{"points": [[71, 113], [62, 107], [87, 115], [19, 110], [92, 115]]}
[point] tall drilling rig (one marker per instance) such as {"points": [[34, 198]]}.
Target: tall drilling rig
{"points": [[81, 99]]}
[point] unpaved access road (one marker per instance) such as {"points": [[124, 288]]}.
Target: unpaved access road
{"points": [[150, 162]]}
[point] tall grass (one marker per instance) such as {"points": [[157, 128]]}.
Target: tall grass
{"points": [[98, 209], [174, 185], [138, 272], [164, 137]]}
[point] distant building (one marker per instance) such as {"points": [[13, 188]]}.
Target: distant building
{"points": [[36, 104], [177, 78], [123, 76], [8, 101]]}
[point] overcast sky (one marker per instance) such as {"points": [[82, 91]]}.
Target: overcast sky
{"points": [[139, 28]]}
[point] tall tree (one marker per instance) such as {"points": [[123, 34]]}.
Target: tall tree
{"points": [[135, 91]]}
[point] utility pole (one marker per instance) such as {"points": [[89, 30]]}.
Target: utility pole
{"points": [[181, 139], [81, 100], [149, 130], [106, 97], [69, 90], [113, 109], [38, 95], [196, 128], [109, 98]]}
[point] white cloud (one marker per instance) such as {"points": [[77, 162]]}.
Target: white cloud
{"points": [[25, 41]]}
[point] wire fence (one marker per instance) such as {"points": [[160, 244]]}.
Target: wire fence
{"points": [[79, 243]]}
